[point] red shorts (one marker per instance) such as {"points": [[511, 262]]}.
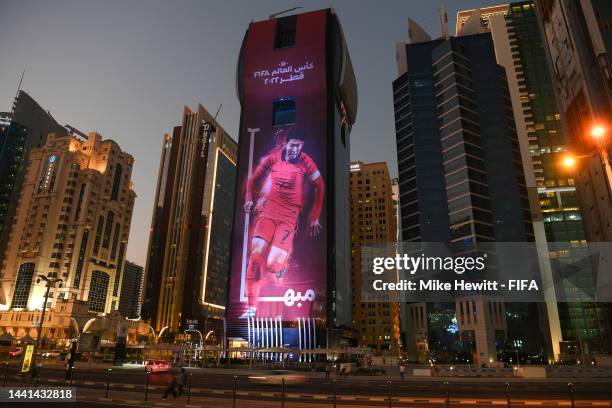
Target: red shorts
{"points": [[278, 233]]}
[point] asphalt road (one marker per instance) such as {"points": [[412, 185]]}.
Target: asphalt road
{"points": [[204, 383]]}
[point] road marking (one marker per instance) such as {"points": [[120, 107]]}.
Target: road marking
{"points": [[600, 404], [471, 402], [533, 402]]}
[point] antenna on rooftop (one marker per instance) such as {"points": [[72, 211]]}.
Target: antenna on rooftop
{"points": [[216, 114], [17, 94], [443, 20], [285, 11]]}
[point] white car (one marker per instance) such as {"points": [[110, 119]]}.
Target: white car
{"points": [[276, 377], [157, 366]]}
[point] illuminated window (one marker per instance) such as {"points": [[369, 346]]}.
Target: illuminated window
{"points": [[283, 111], [97, 291], [23, 285], [285, 32]]}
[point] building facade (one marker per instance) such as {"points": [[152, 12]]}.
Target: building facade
{"points": [[556, 210], [298, 96], [24, 128], [130, 298], [72, 223], [188, 258], [373, 222], [461, 180]]}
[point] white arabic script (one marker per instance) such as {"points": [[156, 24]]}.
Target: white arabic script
{"points": [[277, 75]]}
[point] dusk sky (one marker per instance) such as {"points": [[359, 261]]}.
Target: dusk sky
{"points": [[126, 69]]}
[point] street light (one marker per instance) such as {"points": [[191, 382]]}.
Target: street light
{"points": [[50, 283]]}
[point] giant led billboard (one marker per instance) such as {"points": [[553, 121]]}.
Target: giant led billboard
{"points": [[279, 240]]}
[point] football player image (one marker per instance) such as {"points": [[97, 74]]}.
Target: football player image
{"points": [[276, 194]]}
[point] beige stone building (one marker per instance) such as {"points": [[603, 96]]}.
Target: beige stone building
{"points": [[373, 222], [72, 223]]}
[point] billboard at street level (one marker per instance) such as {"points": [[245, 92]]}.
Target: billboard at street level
{"points": [[279, 240]]}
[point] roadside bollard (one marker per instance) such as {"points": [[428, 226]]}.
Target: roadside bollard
{"points": [[282, 393], [235, 386], [570, 387], [389, 393], [146, 385], [5, 373], [37, 376], [108, 375], [446, 396], [189, 389], [508, 394], [334, 399]]}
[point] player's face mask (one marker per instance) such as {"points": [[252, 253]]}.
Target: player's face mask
{"points": [[294, 148]]}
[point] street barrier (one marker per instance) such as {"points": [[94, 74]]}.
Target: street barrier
{"points": [[508, 394], [282, 393], [146, 385], [189, 389], [5, 374], [108, 375], [446, 396], [335, 395], [235, 386]]}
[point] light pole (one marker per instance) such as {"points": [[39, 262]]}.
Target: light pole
{"points": [[50, 283]]}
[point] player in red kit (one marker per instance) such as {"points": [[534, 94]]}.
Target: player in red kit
{"points": [[284, 174]]}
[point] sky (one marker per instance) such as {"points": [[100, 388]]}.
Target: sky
{"points": [[126, 68]]}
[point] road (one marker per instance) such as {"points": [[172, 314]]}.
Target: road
{"points": [[214, 388]]}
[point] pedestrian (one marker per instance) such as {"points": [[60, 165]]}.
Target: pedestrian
{"points": [[327, 371], [181, 381], [171, 388], [402, 371]]}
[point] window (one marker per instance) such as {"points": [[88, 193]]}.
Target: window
{"points": [[283, 111], [108, 229], [285, 32], [81, 260], [96, 248], [23, 285], [97, 291], [116, 182]]}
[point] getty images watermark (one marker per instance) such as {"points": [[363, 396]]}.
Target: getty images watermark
{"points": [[510, 272]]}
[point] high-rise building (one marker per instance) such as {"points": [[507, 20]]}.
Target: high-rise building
{"points": [[130, 295], [556, 211], [188, 258], [461, 180], [24, 128], [72, 222], [291, 273], [578, 39], [373, 222]]}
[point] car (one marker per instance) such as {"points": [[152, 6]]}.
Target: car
{"points": [[15, 352], [157, 366], [51, 354], [276, 377]]}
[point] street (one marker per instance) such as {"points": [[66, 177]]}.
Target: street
{"points": [[215, 388]]}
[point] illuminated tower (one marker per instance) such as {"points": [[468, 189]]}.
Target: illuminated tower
{"points": [[188, 258], [73, 223], [290, 275]]}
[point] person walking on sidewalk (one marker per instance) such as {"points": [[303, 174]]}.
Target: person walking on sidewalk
{"points": [[327, 371], [171, 388], [180, 381], [402, 371]]}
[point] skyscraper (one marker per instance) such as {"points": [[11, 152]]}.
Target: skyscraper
{"points": [[578, 39], [555, 208], [188, 258], [73, 223], [130, 297], [372, 222], [24, 128], [290, 276], [461, 181]]}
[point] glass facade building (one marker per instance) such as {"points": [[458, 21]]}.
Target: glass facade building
{"points": [[461, 182]]}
